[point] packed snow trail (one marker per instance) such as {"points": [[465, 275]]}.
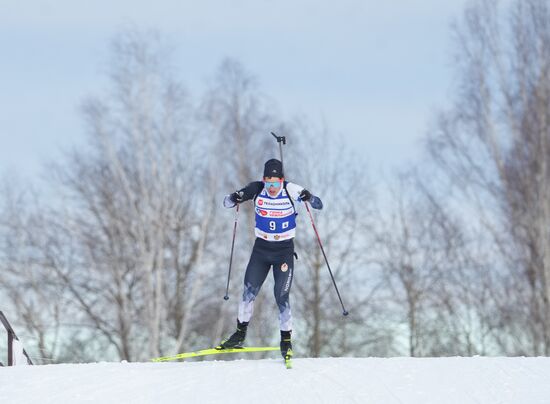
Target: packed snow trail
{"points": [[476, 380]]}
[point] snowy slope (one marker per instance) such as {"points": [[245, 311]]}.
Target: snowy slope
{"points": [[345, 380]]}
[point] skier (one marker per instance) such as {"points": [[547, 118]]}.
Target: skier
{"points": [[274, 247]]}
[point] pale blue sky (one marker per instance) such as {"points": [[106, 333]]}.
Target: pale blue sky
{"points": [[374, 71]]}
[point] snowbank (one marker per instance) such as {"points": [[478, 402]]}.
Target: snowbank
{"points": [[332, 380]]}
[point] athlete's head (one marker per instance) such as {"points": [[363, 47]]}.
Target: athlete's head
{"points": [[273, 176], [273, 168]]}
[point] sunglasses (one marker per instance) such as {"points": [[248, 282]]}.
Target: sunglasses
{"points": [[272, 184]]}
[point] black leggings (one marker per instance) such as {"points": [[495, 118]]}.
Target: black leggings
{"points": [[265, 254]]}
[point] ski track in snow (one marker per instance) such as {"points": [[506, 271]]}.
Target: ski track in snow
{"points": [[477, 380]]}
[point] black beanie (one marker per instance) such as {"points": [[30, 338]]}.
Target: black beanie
{"points": [[273, 168]]}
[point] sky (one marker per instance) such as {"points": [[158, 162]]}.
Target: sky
{"points": [[375, 72]]}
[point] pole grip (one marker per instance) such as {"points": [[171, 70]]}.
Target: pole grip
{"points": [[280, 139]]}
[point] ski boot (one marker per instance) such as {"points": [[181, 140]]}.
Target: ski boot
{"points": [[286, 348], [236, 340]]}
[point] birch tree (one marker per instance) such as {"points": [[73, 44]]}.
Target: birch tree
{"points": [[493, 143], [139, 220]]}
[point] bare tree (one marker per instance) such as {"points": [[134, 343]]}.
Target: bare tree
{"points": [[434, 285], [346, 227], [35, 303], [139, 229], [134, 246], [408, 257], [494, 144]]}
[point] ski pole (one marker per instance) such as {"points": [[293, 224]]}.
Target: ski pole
{"points": [[345, 312], [281, 140], [226, 297]]}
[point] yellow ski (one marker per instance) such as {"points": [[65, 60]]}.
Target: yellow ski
{"points": [[214, 351]]}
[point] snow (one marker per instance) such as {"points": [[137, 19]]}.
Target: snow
{"points": [[327, 380]]}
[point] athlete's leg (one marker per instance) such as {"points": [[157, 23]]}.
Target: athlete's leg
{"points": [[256, 272], [283, 272]]}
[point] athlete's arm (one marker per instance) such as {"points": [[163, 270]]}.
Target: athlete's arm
{"points": [[300, 194], [243, 194]]}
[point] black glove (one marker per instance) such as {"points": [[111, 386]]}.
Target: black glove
{"points": [[236, 197], [305, 195]]}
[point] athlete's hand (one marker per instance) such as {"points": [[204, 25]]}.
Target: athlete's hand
{"points": [[305, 195], [236, 197]]}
